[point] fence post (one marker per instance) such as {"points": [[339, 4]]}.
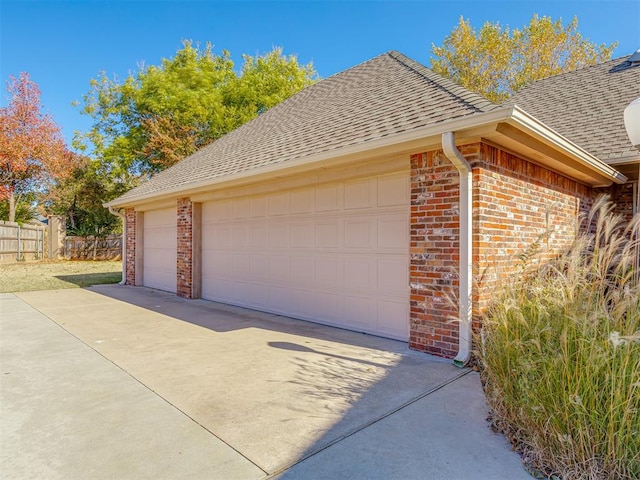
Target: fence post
{"points": [[57, 233], [19, 241]]}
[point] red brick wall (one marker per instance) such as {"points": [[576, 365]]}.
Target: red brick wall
{"points": [[622, 196], [434, 236], [185, 248], [515, 203], [130, 245]]}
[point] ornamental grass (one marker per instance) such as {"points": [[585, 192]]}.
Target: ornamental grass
{"points": [[560, 355]]}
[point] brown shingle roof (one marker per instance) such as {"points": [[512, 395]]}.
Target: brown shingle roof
{"points": [[386, 95], [586, 106]]}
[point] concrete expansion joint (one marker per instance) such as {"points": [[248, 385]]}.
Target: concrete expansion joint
{"points": [[149, 389], [284, 468]]}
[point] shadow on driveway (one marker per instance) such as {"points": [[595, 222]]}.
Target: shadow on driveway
{"points": [[298, 399]]}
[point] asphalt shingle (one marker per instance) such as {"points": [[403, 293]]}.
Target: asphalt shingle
{"points": [[387, 95], [586, 106]]}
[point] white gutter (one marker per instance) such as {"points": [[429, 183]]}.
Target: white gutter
{"points": [[465, 268], [124, 243]]}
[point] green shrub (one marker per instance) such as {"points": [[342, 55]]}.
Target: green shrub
{"points": [[560, 356]]}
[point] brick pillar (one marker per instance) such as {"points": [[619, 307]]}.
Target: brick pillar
{"points": [[130, 247], [188, 253], [434, 254]]}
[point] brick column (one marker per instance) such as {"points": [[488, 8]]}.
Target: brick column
{"points": [[434, 254], [188, 252], [130, 247]]}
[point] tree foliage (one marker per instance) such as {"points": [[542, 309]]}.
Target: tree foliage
{"points": [[496, 62], [32, 150], [80, 197], [160, 114]]}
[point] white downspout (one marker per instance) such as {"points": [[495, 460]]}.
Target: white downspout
{"points": [[124, 243], [466, 191]]}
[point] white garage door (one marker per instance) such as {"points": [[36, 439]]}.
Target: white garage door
{"points": [[159, 245], [336, 254]]}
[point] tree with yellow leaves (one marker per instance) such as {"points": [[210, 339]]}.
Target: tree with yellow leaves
{"points": [[496, 62]]}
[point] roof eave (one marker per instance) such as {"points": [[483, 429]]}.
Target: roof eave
{"points": [[590, 162], [413, 138]]}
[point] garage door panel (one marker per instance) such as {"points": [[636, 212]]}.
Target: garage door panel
{"points": [[258, 207], [241, 266], [360, 233], [393, 190], [303, 270], [279, 298], [328, 234], [302, 234], [392, 275], [222, 210], [361, 312], [241, 208], [257, 234], [329, 307], [329, 271], [334, 253], [259, 267], [302, 303], [361, 274], [278, 203], [278, 235], [392, 232], [258, 296], [359, 194], [279, 269], [328, 198], [223, 235], [240, 236], [392, 318], [303, 201]]}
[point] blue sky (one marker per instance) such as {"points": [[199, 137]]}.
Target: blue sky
{"points": [[64, 44]]}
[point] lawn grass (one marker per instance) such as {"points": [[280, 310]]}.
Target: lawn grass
{"points": [[54, 275]]}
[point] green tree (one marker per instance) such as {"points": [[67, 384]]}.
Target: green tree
{"points": [[79, 197], [24, 209], [496, 62], [161, 114]]}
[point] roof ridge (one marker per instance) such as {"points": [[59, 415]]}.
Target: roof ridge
{"points": [[471, 98]]}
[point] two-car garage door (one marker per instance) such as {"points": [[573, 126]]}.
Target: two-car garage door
{"points": [[335, 253]]}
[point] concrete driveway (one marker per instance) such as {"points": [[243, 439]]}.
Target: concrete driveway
{"points": [[121, 382]]}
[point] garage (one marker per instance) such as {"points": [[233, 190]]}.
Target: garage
{"points": [[159, 249], [334, 253]]}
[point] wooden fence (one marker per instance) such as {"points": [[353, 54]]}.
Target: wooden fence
{"points": [[21, 242], [93, 248]]}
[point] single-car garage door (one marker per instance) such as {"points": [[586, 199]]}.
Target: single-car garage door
{"points": [[333, 253], [159, 246]]}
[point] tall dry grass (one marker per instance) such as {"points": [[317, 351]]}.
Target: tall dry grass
{"points": [[560, 355]]}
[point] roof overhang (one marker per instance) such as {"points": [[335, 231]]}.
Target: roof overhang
{"points": [[511, 128]]}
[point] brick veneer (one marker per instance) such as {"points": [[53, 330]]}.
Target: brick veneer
{"points": [[515, 203], [130, 245], [185, 248], [622, 196]]}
